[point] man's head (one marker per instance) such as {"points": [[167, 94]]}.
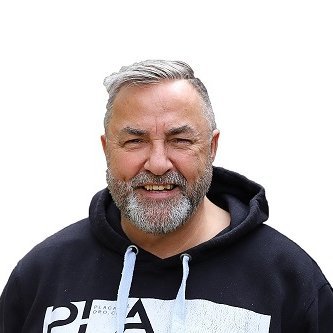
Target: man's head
{"points": [[152, 72], [160, 140]]}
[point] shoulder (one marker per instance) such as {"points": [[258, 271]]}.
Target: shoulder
{"points": [[297, 277], [275, 243], [65, 245], [45, 268], [276, 246], [73, 234], [286, 258]]}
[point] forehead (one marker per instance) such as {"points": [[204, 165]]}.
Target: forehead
{"points": [[165, 104]]}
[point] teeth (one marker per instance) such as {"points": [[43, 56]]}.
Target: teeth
{"points": [[159, 187]]}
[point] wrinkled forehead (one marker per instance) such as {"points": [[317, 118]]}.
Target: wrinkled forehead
{"points": [[172, 103], [166, 90]]}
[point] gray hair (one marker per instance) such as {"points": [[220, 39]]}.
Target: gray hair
{"points": [[155, 71]]}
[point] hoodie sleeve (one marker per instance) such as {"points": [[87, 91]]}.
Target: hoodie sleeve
{"points": [[11, 307], [319, 318]]}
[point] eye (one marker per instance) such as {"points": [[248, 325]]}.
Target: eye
{"points": [[133, 143], [181, 141]]}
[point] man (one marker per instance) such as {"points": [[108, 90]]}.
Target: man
{"points": [[173, 244]]}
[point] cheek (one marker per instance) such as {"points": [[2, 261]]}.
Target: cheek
{"points": [[190, 164], [125, 166]]}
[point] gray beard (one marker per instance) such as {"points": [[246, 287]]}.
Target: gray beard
{"points": [[159, 216]]}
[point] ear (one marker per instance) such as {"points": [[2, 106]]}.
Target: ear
{"points": [[104, 143], [214, 143]]}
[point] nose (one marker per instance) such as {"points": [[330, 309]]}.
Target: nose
{"points": [[158, 161]]}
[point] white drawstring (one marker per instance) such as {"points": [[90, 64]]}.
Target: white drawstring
{"points": [[125, 285], [179, 311]]}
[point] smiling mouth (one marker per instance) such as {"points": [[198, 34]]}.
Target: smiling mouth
{"points": [[159, 187]]}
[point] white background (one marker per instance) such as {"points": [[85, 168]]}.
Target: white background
{"points": [[268, 68]]}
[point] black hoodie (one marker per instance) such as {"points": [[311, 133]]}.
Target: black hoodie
{"points": [[249, 278]]}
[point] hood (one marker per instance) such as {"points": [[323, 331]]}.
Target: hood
{"points": [[242, 198]]}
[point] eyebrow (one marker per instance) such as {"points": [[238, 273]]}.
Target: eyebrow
{"points": [[172, 131], [133, 131], [180, 130]]}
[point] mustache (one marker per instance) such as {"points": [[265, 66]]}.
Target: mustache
{"points": [[171, 177]]}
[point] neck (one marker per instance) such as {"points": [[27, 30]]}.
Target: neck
{"points": [[204, 224]]}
